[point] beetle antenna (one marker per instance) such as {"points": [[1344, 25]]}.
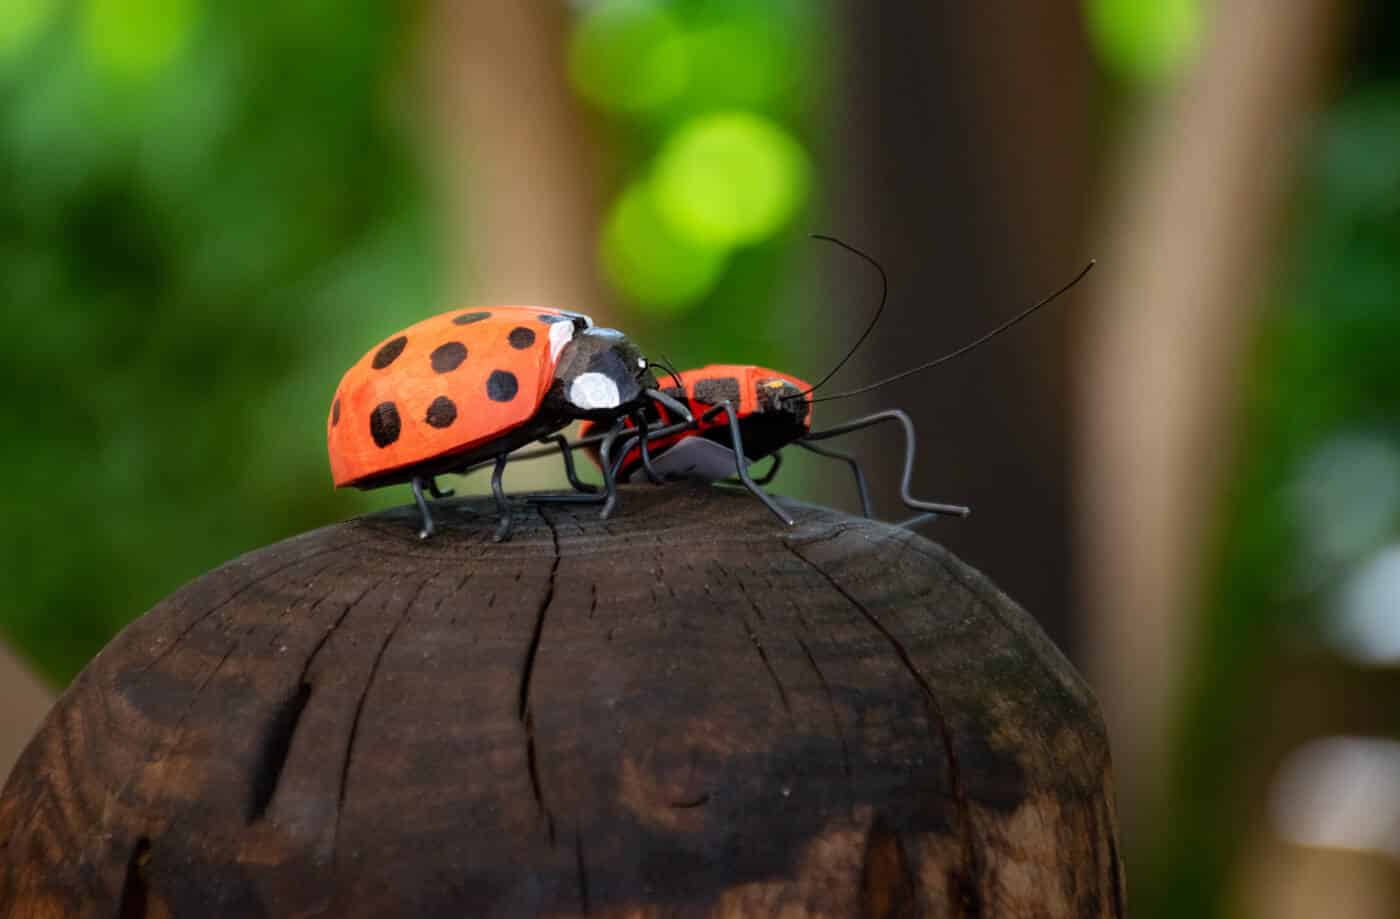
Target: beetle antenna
{"points": [[870, 326], [1024, 314], [670, 368]]}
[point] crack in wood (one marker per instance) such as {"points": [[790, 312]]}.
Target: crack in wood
{"points": [[970, 901], [135, 895], [272, 754], [582, 869], [364, 695], [758, 643], [238, 592], [831, 706], [525, 714]]}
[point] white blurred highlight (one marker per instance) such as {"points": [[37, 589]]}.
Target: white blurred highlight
{"points": [[1340, 793], [1365, 623], [1346, 496]]}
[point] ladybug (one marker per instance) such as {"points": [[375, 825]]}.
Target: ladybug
{"points": [[473, 385], [739, 415]]}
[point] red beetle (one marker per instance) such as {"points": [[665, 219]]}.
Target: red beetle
{"points": [[742, 413]]}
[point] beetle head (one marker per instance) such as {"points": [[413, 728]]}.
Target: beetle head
{"points": [[601, 375]]}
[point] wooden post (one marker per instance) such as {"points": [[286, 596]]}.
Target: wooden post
{"points": [[684, 710]]}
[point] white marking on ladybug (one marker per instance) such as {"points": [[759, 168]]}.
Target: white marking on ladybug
{"points": [[594, 391], [560, 334]]}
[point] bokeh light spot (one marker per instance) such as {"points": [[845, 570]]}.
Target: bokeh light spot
{"points": [[628, 56], [664, 273], [730, 179], [1365, 624], [134, 39], [741, 63], [1340, 793], [1141, 42], [21, 21], [1346, 497]]}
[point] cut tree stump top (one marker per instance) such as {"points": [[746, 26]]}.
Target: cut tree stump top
{"points": [[686, 710]]}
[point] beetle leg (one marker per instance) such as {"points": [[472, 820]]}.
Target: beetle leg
{"points": [[566, 450], [740, 466], [855, 469], [507, 521], [926, 507], [641, 419], [427, 529], [767, 476], [609, 480]]}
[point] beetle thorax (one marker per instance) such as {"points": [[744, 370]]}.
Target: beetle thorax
{"points": [[601, 374]]}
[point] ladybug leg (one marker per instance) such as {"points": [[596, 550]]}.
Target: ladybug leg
{"points": [[427, 528], [609, 479], [855, 469], [737, 442], [605, 441], [507, 521], [926, 507], [438, 492], [566, 449], [642, 438]]}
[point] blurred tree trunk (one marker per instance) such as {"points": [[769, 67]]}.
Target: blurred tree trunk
{"points": [[1187, 243], [965, 158], [23, 703], [518, 172]]}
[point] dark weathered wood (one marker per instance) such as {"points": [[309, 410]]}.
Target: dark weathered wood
{"points": [[686, 710]]}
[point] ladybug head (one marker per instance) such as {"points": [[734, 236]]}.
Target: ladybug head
{"points": [[601, 375]]}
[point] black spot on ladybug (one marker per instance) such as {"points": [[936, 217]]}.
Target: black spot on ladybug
{"points": [[469, 318], [335, 412], [384, 424], [389, 352], [502, 386], [448, 357], [716, 390], [521, 338], [442, 412], [551, 318]]}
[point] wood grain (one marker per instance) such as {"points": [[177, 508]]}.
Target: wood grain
{"points": [[686, 710]]}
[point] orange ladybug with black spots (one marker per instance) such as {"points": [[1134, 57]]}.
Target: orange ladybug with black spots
{"points": [[474, 384]]}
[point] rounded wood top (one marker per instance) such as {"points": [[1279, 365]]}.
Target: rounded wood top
{"points": [[686, 709]]}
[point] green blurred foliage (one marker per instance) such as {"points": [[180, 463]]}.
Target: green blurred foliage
{"points": [[1145, 43], [708, 98], [1325, 395], [207, 212]]}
